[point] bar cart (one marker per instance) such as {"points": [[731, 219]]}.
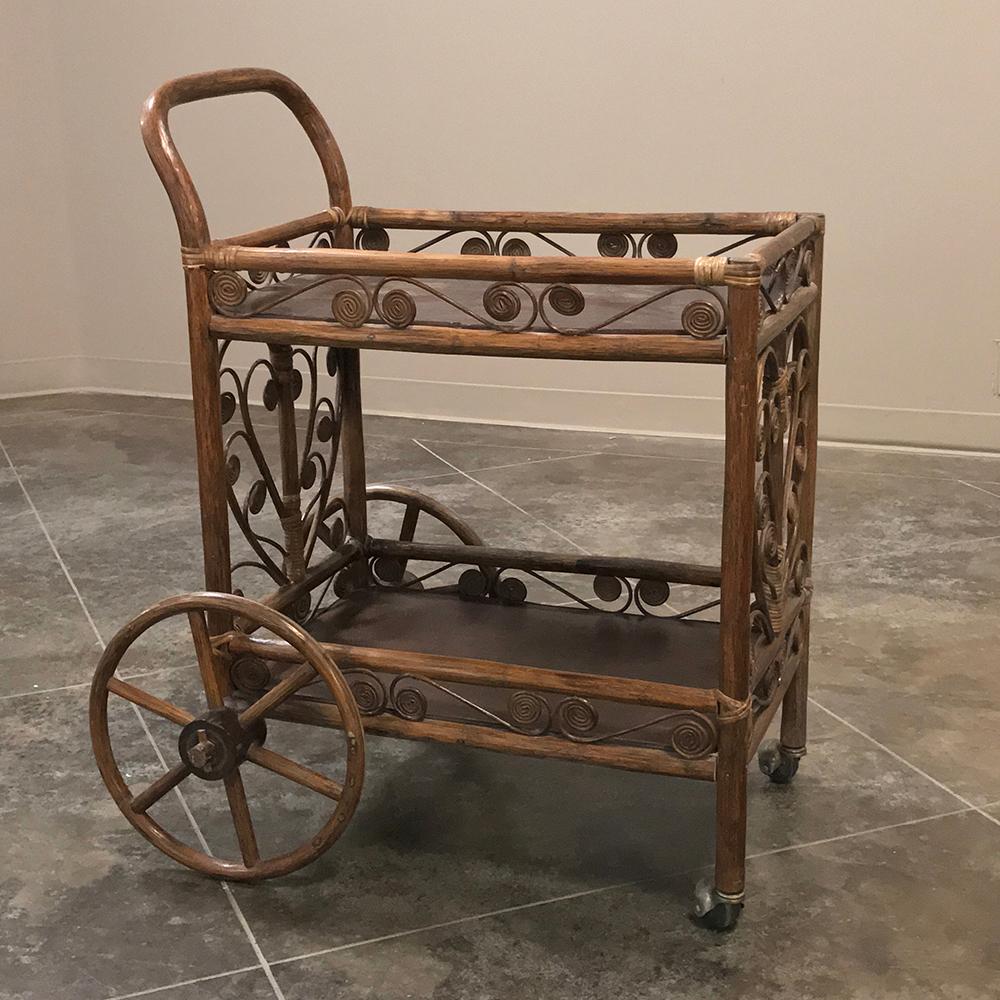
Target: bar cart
{"points": [[446, 640]]}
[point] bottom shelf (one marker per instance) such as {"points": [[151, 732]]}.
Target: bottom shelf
{"points": [[600, 644]]}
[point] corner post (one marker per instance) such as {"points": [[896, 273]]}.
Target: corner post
{"points": [[743, 279]]}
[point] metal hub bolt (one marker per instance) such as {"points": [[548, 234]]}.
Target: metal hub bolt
{"points": [[201, 753]]}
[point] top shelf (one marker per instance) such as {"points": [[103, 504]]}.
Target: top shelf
{"points": [[511, 290]]}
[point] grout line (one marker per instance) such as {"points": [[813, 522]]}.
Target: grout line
{"points": [[538, 461], [509, 465], [910, 551], [84, 684], [903, 760], [184, 982], [500, 496], [973, 486], [805, 845], [472, 918], [451, 923], [226, 888], [535, 904]]}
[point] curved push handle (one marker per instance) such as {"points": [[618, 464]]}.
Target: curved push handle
{"points": [[190, 214]]}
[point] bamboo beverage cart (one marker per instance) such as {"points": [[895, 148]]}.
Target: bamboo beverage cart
{"points": [[452, 640]]}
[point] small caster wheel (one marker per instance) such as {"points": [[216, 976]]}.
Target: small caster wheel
{"points": [[778, 764], [713, 910]]}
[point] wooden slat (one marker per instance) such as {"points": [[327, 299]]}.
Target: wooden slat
{"points": [[737, 223], [489, 673], [582, 270], [488, 555], [644, 759], [283, 231], [639, 346]]}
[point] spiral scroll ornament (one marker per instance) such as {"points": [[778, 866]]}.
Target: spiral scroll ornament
{"points": [[567, 300], [608, 588], [694, 735], [351, 307], [528, 713], [397, 308], [576, 718], [476, 246], [614, 244], [372, 238], [703, 319], [503, 301], [226, 289], [408, 702], [369, 692], [661, 244], [515, 247]]}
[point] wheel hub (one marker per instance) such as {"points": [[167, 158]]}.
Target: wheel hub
{"points": [[214, 744]]}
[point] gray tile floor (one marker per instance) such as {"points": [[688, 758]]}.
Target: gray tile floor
{"points": [[464, 874]]}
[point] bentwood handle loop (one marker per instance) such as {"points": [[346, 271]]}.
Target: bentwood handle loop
{"points": [[184, 199]]}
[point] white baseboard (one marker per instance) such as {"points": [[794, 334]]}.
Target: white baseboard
{"points": [[40, 376], [543, 406]]}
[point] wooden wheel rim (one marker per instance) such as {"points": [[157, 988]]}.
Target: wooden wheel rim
{"points": [[312, 654]]}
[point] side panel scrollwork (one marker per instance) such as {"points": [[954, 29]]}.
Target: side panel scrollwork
{"points": [[252, 459], [781, 558], [680, 732]]}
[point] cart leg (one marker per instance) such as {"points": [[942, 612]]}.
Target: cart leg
{"points": [[719, 901], [795, 705], [779, 759], [718, 904]]}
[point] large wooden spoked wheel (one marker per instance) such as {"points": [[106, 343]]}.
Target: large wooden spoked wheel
{"points": [[227, 736]]}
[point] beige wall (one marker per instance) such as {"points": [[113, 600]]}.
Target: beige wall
{"points": [[881, 115], [40, 330]]}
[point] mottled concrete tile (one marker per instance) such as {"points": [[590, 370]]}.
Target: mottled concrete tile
{"points": [[622, 505], [56, 407], [905, 648], [45, 640], [93, 473], [12, 499], [903, 914], [861, 515], [90, 909]]}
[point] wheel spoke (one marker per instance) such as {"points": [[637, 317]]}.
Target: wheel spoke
{"points": [[299, 677], [207, 663], [408, 529], [152, 794], [149, 701], [304, 776], [241, 819]]}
